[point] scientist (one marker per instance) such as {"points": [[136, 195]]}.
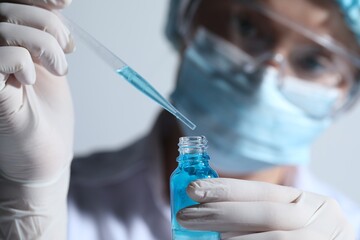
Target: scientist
{"points": [[262, 80]]}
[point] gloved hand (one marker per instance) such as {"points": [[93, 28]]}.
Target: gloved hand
{"points": [[261, 211], [36, 120]]}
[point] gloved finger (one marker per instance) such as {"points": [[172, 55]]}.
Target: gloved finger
{"points": [[11, 101], [249, 216], [42, 46], [280, 235], [227, 189], [3, 79], [17, 61], [49, 4], [328, 220], [40, 19]]}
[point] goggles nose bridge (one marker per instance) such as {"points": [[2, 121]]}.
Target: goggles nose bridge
{"points": [[269, 59], [277, 61]]}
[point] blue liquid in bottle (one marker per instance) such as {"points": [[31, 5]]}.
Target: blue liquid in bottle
{"points": [[193, 164]]}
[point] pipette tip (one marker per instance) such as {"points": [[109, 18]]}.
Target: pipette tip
{"points": [[185, 120]]}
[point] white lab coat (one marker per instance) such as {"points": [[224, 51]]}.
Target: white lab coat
{"points": [[119, 195]]}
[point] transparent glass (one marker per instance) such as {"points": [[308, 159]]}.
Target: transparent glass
{"points": [[193, 164]]}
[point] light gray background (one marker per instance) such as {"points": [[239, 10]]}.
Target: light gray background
{"points": [[111, 114]]}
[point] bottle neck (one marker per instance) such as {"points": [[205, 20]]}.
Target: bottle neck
{"points": [[193, 150]]}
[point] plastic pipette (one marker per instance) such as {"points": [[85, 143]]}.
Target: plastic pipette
{"points": [[122, 69]]}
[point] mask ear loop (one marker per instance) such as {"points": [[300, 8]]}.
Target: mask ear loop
{"points": [[353, 94]]}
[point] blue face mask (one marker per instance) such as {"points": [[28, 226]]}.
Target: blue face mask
{"points": [[249, 123]]}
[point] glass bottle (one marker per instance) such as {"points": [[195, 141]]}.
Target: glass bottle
{"points": [[193, 164]]}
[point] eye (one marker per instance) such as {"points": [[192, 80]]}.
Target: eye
{"points": [[311, 63], [246, 27], [250, 33]]}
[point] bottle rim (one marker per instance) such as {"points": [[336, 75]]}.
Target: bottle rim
{"points": [[192, 144], [192, 141]]}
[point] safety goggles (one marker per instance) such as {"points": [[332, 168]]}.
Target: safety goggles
{"points": [[311, 66]]}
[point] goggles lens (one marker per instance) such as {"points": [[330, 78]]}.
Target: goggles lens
{"points": [[264, 38]]}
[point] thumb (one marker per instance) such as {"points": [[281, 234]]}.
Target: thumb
{"points": [[17, 61]]}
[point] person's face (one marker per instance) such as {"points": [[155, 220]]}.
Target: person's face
{"points": [[231, 46], [257, 34]]}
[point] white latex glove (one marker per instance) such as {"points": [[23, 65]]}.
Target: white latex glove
{"points": [[261, 211], [36, 120]]}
